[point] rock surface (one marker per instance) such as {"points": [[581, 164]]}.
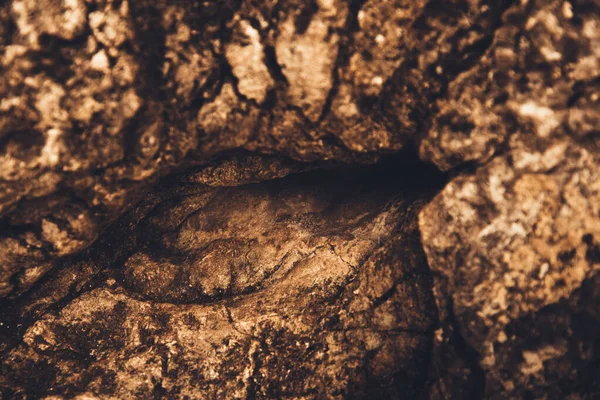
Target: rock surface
{"points": [[518, 237], [305, 286], [101, 98], [178, 214], [516, 252]]}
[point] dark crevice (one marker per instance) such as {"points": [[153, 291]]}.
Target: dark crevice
{"points": [[471, 356], [303, 18], [343, 56], [273, 66], [119, 241], [385, 296]]}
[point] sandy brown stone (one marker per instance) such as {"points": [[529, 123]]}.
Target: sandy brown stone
{"points": [[543, 61], [516, 237], [178, 216], [516, 243], [297, 289], [102, 98]]}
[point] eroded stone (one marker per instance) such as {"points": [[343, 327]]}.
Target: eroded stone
{"points": [[515, 238], [347, 311]]}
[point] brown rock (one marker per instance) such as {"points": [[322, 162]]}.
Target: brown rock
{"points": [[152, 243], [312, 285]]}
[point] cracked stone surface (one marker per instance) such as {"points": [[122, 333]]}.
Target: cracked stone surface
{"points": [[519, 237], [212, 286], [102, 98], [513, 243], [241, 199]]}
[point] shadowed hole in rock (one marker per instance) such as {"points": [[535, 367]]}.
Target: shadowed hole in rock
{"points": [[295, 250], [225, 242]]}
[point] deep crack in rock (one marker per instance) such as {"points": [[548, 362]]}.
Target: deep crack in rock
{"points": [[231, 199]]}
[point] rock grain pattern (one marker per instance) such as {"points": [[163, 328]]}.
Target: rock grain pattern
{"points": [[300, 199]]}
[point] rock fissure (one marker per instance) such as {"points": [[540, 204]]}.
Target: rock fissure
{"points": [[239, 199]]}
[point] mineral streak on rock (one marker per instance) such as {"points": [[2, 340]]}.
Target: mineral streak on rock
{"points": [[306, 48], [246, 55]]}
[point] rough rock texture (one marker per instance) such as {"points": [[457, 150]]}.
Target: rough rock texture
{"points": [[514, 244], [515, 238], [178, 216], [305, 286], [100, 98], [537, 82]]}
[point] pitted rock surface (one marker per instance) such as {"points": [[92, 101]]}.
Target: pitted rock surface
{"points": [[101, 98], [512, 243], [324, 261], [188, 205], [518, 236]]}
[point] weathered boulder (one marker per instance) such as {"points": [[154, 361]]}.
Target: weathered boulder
{"points": [[101, 98], [513, 243]]}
